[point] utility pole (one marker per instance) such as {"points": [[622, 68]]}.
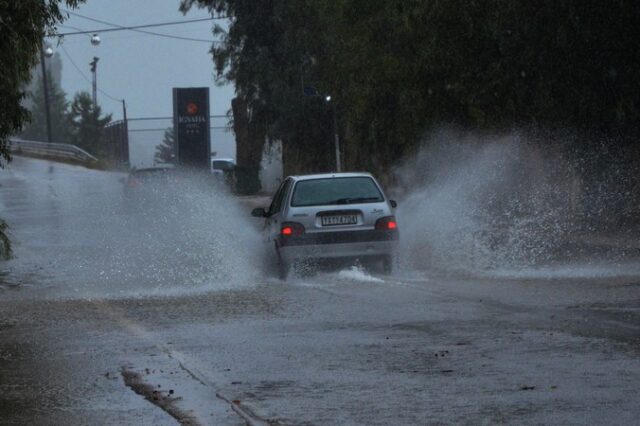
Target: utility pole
{"points": [[94, 72], [46, 52], [124, 111], [123, 155]]}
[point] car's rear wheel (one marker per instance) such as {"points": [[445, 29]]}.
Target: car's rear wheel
{"points": [[283, 267], [283, 270]]}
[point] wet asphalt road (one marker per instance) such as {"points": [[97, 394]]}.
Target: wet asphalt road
{"points": [[115, 314]]}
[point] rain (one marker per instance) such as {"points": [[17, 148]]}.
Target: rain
{"points": [[147, 216]]}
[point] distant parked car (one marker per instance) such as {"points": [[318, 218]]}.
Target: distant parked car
{"points": [[223, 170], [146, 180], [329, 216]]}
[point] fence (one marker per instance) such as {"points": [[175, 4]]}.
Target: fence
{"points": [[117, 138], [146, 133]]}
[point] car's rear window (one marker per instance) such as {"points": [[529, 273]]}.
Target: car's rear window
{"points": [[222, 165], [328, 191]]}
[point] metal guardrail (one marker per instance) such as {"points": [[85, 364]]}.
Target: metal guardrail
{"points": [[55, 150]]}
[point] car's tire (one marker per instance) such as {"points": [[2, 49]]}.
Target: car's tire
{"points": [[387, 264], [283, 266], [283, 269]]}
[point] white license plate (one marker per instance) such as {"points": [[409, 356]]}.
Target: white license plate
{"points": [[342, 219]]}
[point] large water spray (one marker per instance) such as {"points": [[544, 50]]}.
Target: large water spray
{"points": [[479, 203]]}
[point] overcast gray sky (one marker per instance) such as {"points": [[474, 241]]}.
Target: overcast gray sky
{"points": [[143, 68]]}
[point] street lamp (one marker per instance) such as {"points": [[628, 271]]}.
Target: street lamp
{"points": [[312, 92], [95, 39], [48, 52]]}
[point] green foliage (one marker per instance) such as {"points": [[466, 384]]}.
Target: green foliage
{"points": [[58, 109], [23, 24], [399, 68], [88, 125], [266, 53], [166, 151]]}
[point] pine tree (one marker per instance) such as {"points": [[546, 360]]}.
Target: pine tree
{"points": [[88, 125], [166, 151]]}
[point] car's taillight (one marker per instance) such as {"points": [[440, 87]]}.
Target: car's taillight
{"points": [[291, 229], [387, 223]]}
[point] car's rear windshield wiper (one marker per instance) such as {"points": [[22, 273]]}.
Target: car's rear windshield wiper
{"points": [[357, 200]]}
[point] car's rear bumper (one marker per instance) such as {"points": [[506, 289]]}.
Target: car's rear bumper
{"points": [[328, 245]]}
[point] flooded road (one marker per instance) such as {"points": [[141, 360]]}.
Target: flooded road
{"points": [[120, 313]]}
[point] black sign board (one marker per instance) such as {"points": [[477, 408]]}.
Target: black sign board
{"points": [[191, 126]]}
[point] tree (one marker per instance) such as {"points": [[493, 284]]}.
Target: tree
{"points": [[400, 68], [264, 53], [166, 151], [88, 125], [23, 25], [58, 109]]}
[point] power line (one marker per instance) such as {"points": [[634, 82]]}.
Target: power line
{"points": [[184, 21], [136, 27], [80, 31], [70, 26], [74, 64], [113, 98]]}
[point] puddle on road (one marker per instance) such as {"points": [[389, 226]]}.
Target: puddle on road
{"points": [[570, 271], [468, 209]]}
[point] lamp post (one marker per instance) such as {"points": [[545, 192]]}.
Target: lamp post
{"points": [[48, 52], [311, 91]]}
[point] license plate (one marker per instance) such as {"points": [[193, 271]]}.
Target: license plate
{"points": [[342, 219]]}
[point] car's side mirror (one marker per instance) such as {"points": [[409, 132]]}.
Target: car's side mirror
{"points": [[258, 212], [393, 203]]}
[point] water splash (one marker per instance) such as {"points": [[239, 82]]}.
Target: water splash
{"points": [[358, 273], [190, 236], [85, 238], [475, 203]]}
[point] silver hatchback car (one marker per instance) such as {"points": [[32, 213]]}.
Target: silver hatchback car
{"points": [[328, 216]]}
